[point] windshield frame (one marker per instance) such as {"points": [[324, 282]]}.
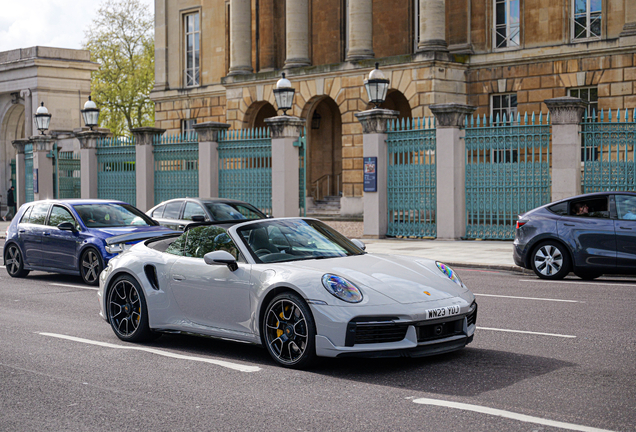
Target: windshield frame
{"points": [[348, 248], [130, 208]]}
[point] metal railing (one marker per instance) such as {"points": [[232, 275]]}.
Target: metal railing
{"points": [[116, 175], [68, 171], [608, 151], [176, 166], [507, 172]]}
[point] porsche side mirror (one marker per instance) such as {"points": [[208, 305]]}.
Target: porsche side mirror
{"points": [[66, 226], [359, 243], [221, 257]]}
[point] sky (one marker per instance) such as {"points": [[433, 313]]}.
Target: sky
{"points": [[52, 23]]}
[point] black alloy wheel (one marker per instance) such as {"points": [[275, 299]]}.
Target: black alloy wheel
{"points": [[289, 331], [14, 263], [127, 310], [551, 260], [91, 266]]}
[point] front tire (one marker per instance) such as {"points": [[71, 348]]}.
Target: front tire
{"points": [[289, 331], [551, 260], [127, 310], [14, 263], [91, 266]]}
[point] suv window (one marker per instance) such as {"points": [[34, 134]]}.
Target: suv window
{"points": [[193, 209], [560, 209], [591, 207], [38, 214], [59, 214], [172, 210], [204, 239], [626, 207]]}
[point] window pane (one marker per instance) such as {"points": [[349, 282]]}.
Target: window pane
{"points": [[580, 6], [514, 11], [501, 13], [59, 215], [593, 94], [513, 100], [193, 209], [158, 211], [189, 24], [38, 214], [172, 210], [196, 22], [579, 27], [595, 26], [496, 101], [595, 5], [505, 101]]}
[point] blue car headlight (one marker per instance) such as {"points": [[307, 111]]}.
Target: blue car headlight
{"points": [[342, 288], [449, 273]]}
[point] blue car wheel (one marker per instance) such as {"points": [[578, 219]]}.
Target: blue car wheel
{"points": [[14, 263], [91, 266]]}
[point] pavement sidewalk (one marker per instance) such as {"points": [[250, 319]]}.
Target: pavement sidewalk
{"points": [[466, 253]]}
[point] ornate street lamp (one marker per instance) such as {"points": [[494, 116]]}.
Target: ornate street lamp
{"points": [[284, 94], [377, 86], [42, 118], [90, 113]]}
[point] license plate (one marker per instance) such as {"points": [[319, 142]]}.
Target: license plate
{"points": [[442, 312]]}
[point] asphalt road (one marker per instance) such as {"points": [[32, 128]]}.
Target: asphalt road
{"points": [[543, 353]]}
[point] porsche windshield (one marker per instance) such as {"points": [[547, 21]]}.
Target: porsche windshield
{"points": [[111, 215], [295, 239]]}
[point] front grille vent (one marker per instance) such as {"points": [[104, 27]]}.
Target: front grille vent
{"points": [[429, 332], [471, 318]]}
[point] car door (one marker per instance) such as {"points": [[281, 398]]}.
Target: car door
{"points": [[190, 210], [590, 233], [31, 233], [59, 247], [625, 228], [171, 215], [212, 295]]}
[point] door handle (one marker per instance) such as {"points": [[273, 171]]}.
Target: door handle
{"points": [[625, 228], [567, 224], [178, 277]]}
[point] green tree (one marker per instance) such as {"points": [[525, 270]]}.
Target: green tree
{"points": [[121, 40]]}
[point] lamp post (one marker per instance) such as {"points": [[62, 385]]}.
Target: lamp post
{"points": [[377, 86], [284, 94], [90, 113], [42, 118]]}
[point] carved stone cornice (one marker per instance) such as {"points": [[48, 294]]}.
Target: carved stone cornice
{"points": [[376, 120], [144, 135], [285, 126], [451, 114], [209, 131], [88, 138], [19, 144], [566, 110]]}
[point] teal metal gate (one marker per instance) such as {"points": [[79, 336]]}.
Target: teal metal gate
{"points": [[176, 166], [302, 173], [507, 173], [245, 167], [609, 159], [412, 178], [116, 176], [13, 182], [68, 175], [28, 172]]}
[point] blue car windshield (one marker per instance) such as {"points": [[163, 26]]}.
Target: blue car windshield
{"points": [[111, 215]]}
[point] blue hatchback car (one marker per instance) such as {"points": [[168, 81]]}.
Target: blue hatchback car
{"points": [[590, 235], [70, 236]]}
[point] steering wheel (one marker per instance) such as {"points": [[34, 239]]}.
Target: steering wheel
{"points": [[259, 253]]}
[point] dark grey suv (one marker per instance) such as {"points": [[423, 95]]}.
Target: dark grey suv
{"points": [[179, 212], [590, 234]]}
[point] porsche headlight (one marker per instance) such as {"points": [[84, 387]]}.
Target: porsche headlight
{"points": [[341, 288], [449, 273]]}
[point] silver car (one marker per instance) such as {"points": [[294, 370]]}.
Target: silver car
{"points": [[293, 285]]}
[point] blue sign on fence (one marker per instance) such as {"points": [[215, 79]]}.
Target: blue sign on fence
{"points": [[370, 174]]}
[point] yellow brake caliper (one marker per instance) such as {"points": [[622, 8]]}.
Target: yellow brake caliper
{"points": [[279, 332]]}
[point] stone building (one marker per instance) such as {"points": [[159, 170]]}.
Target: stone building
{"points": [[218, 60]]}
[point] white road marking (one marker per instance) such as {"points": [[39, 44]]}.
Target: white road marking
{"points": [[74, 286], [226, 364], [3, 266], [527, 298], [507, 414], [526, 332], [574, 282]]}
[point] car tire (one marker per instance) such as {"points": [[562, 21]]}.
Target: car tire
{"points": [[588, 275], [91, 265], [127, 311], [13, 262], [289, 331], [550, 260]]}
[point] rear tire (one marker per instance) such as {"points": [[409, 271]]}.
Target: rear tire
{"points": [[91, 265], [550, 260], [14, 263]]}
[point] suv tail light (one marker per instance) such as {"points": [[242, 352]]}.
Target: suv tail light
{"points": [[521, 223]]}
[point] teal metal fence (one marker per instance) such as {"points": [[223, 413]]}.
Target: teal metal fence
{"points": [[507, 173], [176, 166], [608, 154], [245, 167], [68, 173], [412, 184], [28, 172], [302, 173], [116, 176]]}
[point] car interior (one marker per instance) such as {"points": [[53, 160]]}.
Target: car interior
{"points": [[591, 207]]}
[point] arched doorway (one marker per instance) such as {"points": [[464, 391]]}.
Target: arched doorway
{"points": [[324, 149], [258, 112], [11, 129], [396, 101]]}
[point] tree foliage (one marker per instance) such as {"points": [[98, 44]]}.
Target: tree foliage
{"points": [[121, 40]]}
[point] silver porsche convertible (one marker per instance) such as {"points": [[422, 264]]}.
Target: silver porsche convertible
{"points": [[293, 285]]}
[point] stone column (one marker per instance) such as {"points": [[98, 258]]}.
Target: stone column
{"points": [[450, 161], [629, 29], [285, 180], [360, 25], [566, 114], [28, 112], [43, 167], [432, 26], [145, 166], [20, 188], [88, 161], [240, 37], [374, 127], [209, 134], [297, 33]]}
